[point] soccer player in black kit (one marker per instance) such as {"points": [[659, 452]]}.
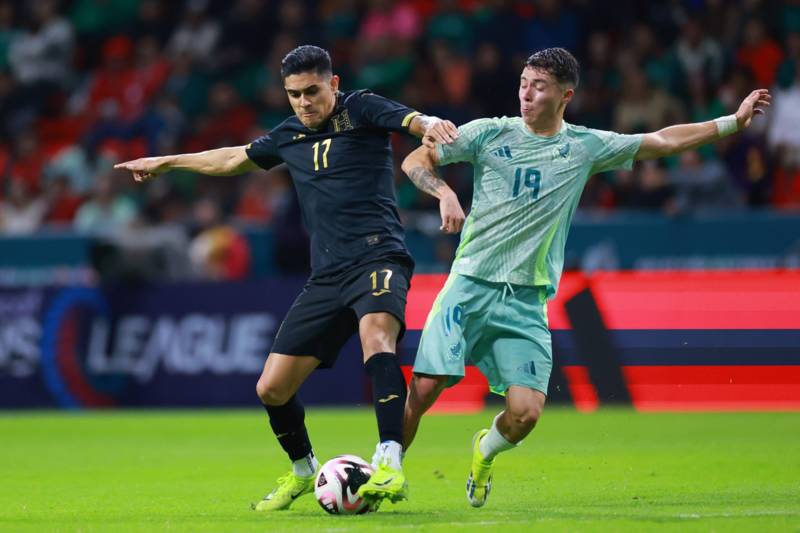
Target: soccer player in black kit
{"points": [[337, 149]]}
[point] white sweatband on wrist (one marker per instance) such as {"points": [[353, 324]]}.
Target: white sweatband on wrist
{"points": [[726, 125]]}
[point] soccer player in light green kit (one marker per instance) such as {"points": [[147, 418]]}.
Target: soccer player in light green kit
{"points": [[529, 173]]}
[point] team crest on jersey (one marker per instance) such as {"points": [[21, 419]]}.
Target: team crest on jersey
{"points": [[503, 152], [341, 122], [561, 152]]}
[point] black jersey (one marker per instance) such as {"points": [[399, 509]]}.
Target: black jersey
{"points": [[344, 176]]}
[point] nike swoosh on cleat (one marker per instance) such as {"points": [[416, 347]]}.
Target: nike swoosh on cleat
{"points": [[382, 483], [388, 398]]}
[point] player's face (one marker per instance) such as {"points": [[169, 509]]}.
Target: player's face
{"points": [[312, 95], [541, 97]]}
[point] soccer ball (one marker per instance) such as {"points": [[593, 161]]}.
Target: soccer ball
{"points": [[337, 485]]}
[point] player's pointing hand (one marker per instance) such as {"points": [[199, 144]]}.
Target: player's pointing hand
{"points": [[144, 168], [754, 104]]}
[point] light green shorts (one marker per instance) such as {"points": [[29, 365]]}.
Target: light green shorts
{"points": [[500, 328]]}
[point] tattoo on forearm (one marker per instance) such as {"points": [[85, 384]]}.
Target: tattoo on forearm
{"points": [[425, 180]]}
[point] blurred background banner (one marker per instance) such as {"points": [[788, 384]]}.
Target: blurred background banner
{"points": [[660, 341], [681, 289], [179, 344]]}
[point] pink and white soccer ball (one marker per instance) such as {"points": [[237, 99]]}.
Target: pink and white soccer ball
{"points": [[337, 485]]}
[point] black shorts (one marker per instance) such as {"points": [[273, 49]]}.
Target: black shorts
{"points": [[326, 314]]}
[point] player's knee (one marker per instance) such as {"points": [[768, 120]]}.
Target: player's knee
{"points": [[525, 417], [271, 394], [378, 342], [424, 390]]}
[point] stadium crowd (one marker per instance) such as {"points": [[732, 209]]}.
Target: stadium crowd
{"points": [[86, 83]]}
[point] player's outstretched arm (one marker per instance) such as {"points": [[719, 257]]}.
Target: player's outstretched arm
{"points": [[676, 139], [433, 130], [420, 166], [219, 162]]}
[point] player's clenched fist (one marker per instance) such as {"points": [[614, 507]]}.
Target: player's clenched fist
{"points": [[452, 214]]}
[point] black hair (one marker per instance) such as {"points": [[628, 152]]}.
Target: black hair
{"points": [[306, 58], [558, 62]]}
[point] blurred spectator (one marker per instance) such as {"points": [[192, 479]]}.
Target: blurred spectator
{"points": [[63, 202], [703, 106], [152, 21], [492, 76], [295, 18], [790, 15], [254, 204], [106, 212], [642, 107], [243, 35], [554, 24], [227, 123], [645, 188], [592, 105], [384, 67], [23, 211], [389, 20], [747, 160], [497, 22], [339, 20], [455, 73], [291, 238], [26, 162], [659, 64], [702, 184], [786, 188], [71, 163], [217, 251], [8, 32], [120, 93], [783, 135], [452, 25], [760, 53], [16, 111], [187, 86], [97, 19], [385, 61], [788, 69], [197, 34], [699, 53], [41, 57], [263, 196], [654, 191]]}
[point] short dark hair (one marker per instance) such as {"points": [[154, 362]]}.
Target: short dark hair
{"points": [[558, 62], [306, 58]]}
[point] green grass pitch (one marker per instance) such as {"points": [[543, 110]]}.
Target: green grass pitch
{"points": [[614, 470]]}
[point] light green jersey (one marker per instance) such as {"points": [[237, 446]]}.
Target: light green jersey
{"points": [[525, 194]]}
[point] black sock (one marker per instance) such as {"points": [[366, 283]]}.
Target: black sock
{"points": [[388, 394], [287, 422]]}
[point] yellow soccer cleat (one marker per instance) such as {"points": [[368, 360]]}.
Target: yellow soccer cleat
{"points": [[290, 487], [386, 483], [479, 482]]}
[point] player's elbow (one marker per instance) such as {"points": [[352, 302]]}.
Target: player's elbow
{"points": [[658, 145], [418, 158]]}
